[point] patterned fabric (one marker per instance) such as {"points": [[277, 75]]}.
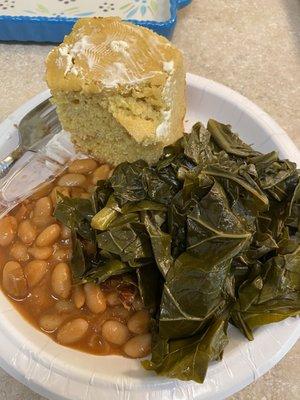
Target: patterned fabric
{"points": [[156, 10]]}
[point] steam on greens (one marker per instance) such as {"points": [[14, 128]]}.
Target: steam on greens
{"points": [[211, 234]]}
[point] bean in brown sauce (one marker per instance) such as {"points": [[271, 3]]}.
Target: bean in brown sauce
{"points": [[8, 228], [43, 207], [40, 253], [19, 252], [101, 173], [72, 180], [138, 346], [61, 281], [140, 322], [27, 232], [78, 296], [48, 236], [83, 166], [115, 332], [35, 271], [50, 322], [35, 274], [72, 331], [95, 299], [14, 281]]}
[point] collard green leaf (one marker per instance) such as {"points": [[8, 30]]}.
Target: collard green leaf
{"points": [[129, 241], [150, 283], [76, 214], [197, 145], [273, 295], [263, 244], [188, 359], [145, 205], [106, 215], [106, 270], [208, 234], [161, 246], [78, 261], [214, 232], [293, 220], [252, 196], [159, 188], [127, 183], [228, 141], [100, 195], [190, 278]]}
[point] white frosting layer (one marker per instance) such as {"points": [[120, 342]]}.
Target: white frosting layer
{"points": [[120, 46], [164, 127], [68, 52]]}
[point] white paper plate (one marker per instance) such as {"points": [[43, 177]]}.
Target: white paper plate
{"points": [[60, 373]]}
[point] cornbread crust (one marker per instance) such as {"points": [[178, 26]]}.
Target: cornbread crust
{"points": [[136, 75]]}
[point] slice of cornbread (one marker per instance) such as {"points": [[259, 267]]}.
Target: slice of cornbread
{"points": [[119, 89]]}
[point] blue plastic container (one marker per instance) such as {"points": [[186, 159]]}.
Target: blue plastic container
{"points": [[40, 28]]}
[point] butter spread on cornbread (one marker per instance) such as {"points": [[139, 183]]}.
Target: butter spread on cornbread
{"points": [[119, 89]]}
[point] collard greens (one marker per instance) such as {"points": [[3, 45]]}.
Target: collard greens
{"points": [[211, 235]]}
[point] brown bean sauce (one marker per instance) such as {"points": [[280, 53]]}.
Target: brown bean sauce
{"points": [[44, 293]]}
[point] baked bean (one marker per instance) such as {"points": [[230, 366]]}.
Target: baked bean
{"points": [[48, 236], [95, 299], [3, 259], [113, 299], [42, 190], [40, 253], [35, 272], [138, 346], [50, 322], [8, 228], [19, 252], [72, 180], [140, 322], [101, 173], [65, 232], [61, 254], [78, 296], [61, 280], [14, 281], [64, 306], [43, 222], [121, 313], [83, 166], [57, 192], [27, 232], [22, 212], [115, 332], [72, 331], [118, 313], [43, 207]]}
